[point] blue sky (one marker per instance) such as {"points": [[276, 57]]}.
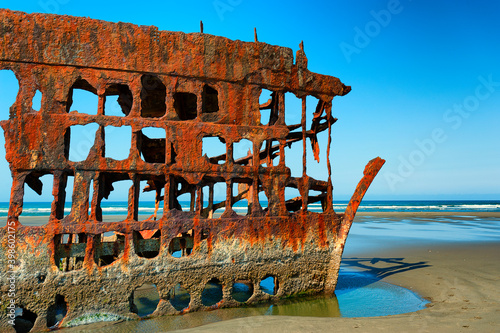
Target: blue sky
{"points": [[425, 80]]}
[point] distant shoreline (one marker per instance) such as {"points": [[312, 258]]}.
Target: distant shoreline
{"points": [[430, 214], [41, 220]]}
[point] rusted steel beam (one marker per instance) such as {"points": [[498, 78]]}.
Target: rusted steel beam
{"points": [[94, 44], [371, 170]]}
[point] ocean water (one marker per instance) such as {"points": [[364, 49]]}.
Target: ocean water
{"points": [[120, 207]]}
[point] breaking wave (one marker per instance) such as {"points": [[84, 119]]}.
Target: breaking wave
{"points": [[121, 208]]}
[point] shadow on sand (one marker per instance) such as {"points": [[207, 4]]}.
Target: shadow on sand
{"points": [[359, 272]]}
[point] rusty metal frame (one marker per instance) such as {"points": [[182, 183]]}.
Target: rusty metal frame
{"points": [[192, 86]]}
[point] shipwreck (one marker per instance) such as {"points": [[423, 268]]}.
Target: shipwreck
{"points": [[192, 86]]}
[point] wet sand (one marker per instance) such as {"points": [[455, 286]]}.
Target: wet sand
{"points": [[409, 214]]}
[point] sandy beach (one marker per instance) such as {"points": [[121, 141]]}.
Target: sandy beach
{"points": [[460, 281]]}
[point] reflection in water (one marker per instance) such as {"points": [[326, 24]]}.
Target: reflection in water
{"points": [[364, 295], [242, 291], [212, 294], [179, 298], [358, 294], [146, 299], [309, 307]]}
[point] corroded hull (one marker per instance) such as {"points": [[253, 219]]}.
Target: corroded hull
{"points": [[243, 250]]}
